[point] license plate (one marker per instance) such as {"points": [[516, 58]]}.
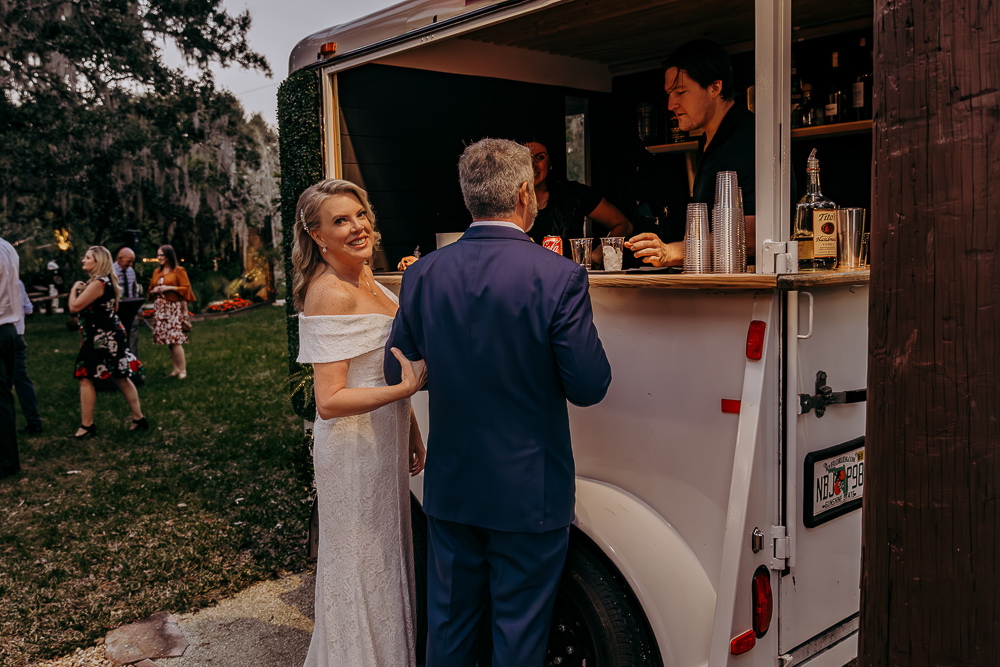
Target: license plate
{"points": [[835, 482]]}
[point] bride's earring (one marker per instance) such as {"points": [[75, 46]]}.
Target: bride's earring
{"points": [[324, 249]]}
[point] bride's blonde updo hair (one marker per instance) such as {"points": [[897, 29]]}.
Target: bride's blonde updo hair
{"points": [[306, 253]]}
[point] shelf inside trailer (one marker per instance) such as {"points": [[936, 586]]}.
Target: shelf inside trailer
{"points": [[835, 130]]}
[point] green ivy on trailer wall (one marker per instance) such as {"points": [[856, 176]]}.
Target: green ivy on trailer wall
{"points": [[301, 145]]}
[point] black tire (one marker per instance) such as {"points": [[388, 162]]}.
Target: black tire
{"points": [[596, 621], [418, 525]]}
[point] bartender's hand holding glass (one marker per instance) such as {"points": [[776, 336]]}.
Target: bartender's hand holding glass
{"points": [[651, 250], [413, 375]]}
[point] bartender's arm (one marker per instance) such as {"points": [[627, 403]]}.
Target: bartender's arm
{"points": [[608, 216], [651, 250]]}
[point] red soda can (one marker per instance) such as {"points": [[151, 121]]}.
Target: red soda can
{"points": [[553, 243]]}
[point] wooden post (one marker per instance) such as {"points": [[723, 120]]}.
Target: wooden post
{"points": [[930, 585]]}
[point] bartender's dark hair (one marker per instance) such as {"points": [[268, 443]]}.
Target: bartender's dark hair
{"points": [[706, 62], [491, 171]]}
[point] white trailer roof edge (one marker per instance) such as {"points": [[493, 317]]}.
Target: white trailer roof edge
{"points": [[402, 26]]}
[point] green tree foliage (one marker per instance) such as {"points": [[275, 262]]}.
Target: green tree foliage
{"points": [[99, 135]]}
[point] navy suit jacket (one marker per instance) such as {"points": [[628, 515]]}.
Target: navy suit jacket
{"points": [[507, 331]]}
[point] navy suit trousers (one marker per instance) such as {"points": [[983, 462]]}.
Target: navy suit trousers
{"points": [[473, 571]]}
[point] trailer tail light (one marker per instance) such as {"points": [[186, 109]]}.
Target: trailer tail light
{"points": [[743, 643], [763, 601], [328, 49], [755, 340], [731, 406]]}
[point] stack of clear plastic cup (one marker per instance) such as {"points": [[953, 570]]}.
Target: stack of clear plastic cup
{"points": [[728, 230], [741, 234], [697, 242]]}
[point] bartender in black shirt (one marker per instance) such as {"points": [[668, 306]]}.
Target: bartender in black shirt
{"points": [[699, 85], [563, 204]]}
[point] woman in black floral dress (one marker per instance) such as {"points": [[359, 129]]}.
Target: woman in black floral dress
{"points": [[104, 353]]}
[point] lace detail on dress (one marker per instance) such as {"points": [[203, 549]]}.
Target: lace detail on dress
{"points": [[365, 596]]}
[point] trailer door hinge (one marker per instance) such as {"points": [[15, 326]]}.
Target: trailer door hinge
{"points": [[782, 548], [780, 257]]}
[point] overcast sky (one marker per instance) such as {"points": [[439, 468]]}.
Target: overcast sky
{"points": [[277, 28]]}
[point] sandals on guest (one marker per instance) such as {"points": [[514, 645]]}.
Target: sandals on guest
{"points": [[139, 425], [88, 432], [182, 375]]}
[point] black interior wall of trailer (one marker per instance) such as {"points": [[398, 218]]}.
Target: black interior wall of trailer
{"points": [[402, 131]]}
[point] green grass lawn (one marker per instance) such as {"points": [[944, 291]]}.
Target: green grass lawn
{"points": [[98, 533]]}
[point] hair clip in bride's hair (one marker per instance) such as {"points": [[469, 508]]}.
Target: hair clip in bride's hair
{"points": [[302, 217]]}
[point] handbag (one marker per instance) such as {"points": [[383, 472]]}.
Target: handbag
{"points": [[186, 322]]}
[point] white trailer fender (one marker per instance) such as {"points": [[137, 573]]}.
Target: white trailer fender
{"points": [[671, 585]]}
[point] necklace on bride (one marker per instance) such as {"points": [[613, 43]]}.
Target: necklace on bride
{"points": [[363, 276]]}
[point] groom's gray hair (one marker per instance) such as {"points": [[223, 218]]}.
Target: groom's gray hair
{"points": [[491, 171]]}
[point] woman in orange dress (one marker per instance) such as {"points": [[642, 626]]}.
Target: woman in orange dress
{"points": [[171, 290]]}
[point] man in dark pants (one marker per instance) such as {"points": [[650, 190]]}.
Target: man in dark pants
{"points": [[507, 330], [10, 314], [22, 381]]}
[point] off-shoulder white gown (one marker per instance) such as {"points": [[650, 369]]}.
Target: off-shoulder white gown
{"points": [[365, 596]]}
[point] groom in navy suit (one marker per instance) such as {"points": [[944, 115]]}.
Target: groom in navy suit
{"points": [[507, 330]]}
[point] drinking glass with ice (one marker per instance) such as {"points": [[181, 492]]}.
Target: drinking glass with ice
{"points": [[611, 247]]}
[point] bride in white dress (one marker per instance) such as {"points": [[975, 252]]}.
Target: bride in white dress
{"points": [[366, 440]]}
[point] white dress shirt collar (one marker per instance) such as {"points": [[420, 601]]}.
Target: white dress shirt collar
{"points": [[497, 223]]}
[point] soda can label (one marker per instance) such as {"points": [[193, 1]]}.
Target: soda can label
{"points": [[553, 243]]}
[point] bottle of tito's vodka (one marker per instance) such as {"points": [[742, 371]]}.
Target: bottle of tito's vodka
{"points": [[815, 224]]}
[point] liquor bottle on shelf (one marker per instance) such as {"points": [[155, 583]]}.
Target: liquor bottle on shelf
{"points": [[817, 109], [815, 224], [861, 89], [805, 114], [834, 101], [675, 134], [796, 96]]}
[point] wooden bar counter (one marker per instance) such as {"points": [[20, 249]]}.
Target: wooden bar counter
{"points": [[706, 281]]}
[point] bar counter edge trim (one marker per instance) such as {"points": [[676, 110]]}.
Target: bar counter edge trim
{"points": [[707, 281]]}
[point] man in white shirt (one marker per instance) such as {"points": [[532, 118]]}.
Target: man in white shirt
{"points": [[130, 290], [23, 385], [10, 314]]}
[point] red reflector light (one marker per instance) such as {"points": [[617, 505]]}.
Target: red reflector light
{"points": [[327, 49], [743, 643], [730, 405], [755, 340], [763, 601]]}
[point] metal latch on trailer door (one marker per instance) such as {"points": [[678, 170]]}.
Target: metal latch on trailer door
{"points": [[826, 396]]}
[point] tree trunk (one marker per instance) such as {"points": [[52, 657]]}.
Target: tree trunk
{"points": [[930, 590]]}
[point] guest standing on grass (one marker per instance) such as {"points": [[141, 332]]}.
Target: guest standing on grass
{"points": [[129, 284], [10, 313], [104, 353], [22, 382], [171, 290]]}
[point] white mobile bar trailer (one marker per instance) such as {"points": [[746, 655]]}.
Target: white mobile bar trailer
{"points": [[719, 483]]}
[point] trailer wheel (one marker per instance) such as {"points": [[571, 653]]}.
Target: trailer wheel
{"points": [[596, 623], [418, 525]]}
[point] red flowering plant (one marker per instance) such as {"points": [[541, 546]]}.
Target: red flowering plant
{"points": [[236, 303]]}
